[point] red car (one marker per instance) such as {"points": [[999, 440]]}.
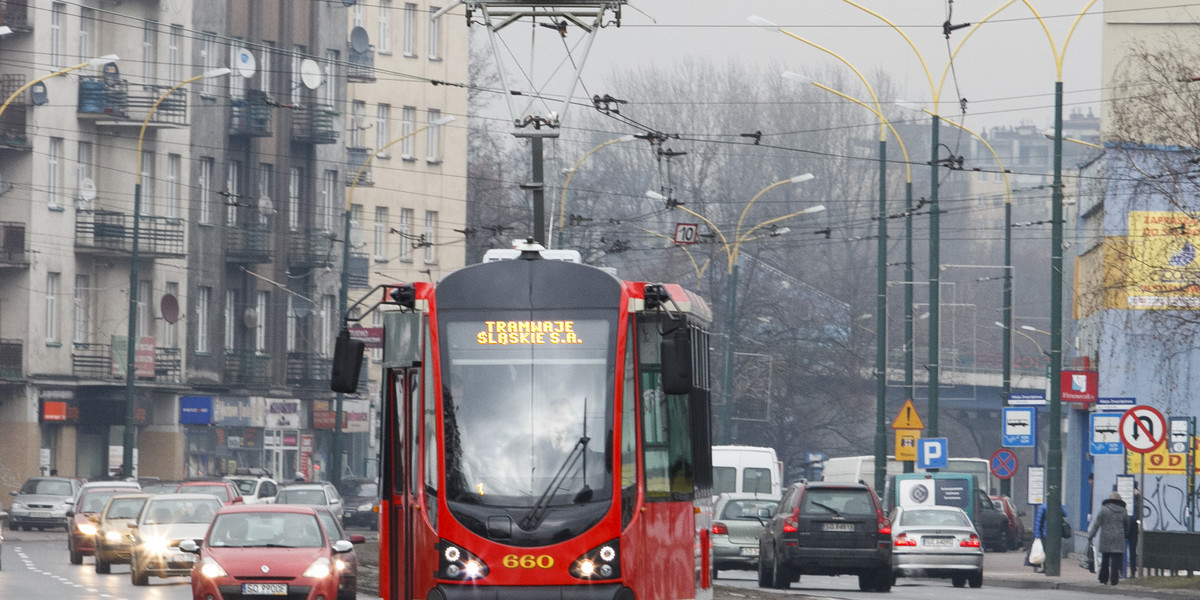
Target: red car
{"points": [[81, 527], [270, 549], [225, 491], [1014, 533]]}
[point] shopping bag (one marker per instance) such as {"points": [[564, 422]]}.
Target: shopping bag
{"points": [[1037, 555], [1066, 530]]}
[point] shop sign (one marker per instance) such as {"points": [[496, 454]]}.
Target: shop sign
{"points": [[1079, 386], [355, 415], [283, 413], [239, 411], [59, 408], [195, 410]]}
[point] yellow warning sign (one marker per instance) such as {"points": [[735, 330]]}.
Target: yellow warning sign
{"points": [[906, 444], [908, 417]]}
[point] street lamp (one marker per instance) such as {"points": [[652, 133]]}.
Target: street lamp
{"points": [[335, 473], [732, 250], [95, 62], [562, 203], [131, 336]]}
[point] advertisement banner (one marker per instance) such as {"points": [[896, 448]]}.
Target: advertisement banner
{"points": [[1160, 461], [239, 411], [195, 410], [1079, 386], [283, 413], [1155, 267]]}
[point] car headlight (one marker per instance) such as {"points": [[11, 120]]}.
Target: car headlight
{"points": [[364, 507], [86, 528], [112, 536], [17, 505], [320, 569], [156, 545], [210, 569]]}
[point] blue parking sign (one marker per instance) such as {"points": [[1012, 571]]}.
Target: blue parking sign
{"points": [[933, 453]]}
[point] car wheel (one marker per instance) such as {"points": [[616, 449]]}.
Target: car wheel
{"points": [[958, 580], [715, 573], [102, 566], [76, 556], [137, 576], [866, 582], [884, 579], [976, 579], [781, 578], [764, 576]]}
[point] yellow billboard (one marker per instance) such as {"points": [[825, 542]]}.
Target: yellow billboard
{"points": [[1161, 462], [1155, 267]]}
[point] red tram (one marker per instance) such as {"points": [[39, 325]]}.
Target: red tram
{"points": [[546, 436]]}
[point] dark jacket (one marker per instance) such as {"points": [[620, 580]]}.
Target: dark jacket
{"points": [[1112, 524]]}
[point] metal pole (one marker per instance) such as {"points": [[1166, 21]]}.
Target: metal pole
{"points": [[335, 450], [1191, 475], [130, 438], [881, 326], [726, 433], [934, 278], [539, 204], [1006, 342], [1054, 454], [909, 349]]}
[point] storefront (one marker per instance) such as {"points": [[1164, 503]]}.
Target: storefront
{"points": [[281, 439], [223, 433]]}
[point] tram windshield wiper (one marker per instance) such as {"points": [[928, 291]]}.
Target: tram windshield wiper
{"points": [[538, 511]]}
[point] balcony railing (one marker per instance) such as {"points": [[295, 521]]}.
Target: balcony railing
{"points": [[12, 354], [15, 14], [310, 249], [12, 245], [308, 370], [362, 65], [313, 125], [355, 157], [360, 267], [251, 115], [250, 243], [168, 364], [105, 98], [96, 361], [13, 128], [247, 369], [107, 231]]}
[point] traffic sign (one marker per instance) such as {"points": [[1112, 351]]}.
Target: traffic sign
{"points": [[1004, 463], [933, 453], [1106, 434], [1143, 429], [1178, 443], [906, 444], [1018, 427], [686, 233], [908, 417]]}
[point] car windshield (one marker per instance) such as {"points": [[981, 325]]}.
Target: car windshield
{"points": [[170, 510], [266, 530], [300, 497], [47, 487], [838, 502], [360, 488], [93, 502], [245, 486], [218, 490], [934, 518], [124, 508], [998, 504], [329, 524], [745, 509]]}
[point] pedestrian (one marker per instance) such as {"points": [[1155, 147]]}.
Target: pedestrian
{"points": [[1112, 525], [1039, 532]]}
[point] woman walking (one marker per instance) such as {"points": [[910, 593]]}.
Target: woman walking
{"points": [[1112, 524]]}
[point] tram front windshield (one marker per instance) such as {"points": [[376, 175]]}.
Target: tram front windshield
{"points": [[528, 419]]}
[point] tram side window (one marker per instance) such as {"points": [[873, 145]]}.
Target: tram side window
{"points": [[667, 442], [628, 436], [431, 442]]}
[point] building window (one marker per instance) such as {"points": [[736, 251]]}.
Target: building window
{"points": [[205, 191], [435, 34], [237, 83], [57, 15], [358, 113], [230, 320], [329, 190], [148, 195], [149, 51], [169, 336], [265, 67], [143, 304], [329, 312], [82, 303], [297, 85], [377, 321], [295, 180], [232, 197], [381, 233], [385, 26], [360, 16], [208, 55], [293, 324], [429, 238], [174, 164], [54, 173], [52, 285], [203, 298], [382, 113], [87, 30], [174, 39], [83, 174], [433, 144], [410, 29], [266, 185], [408, 124], [331, 71], [260, 322], [406, 235]]}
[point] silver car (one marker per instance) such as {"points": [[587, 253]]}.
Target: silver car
{"points": [[735, 530], [42, 502], [936, 541]]}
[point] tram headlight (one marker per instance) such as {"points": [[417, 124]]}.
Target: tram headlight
{"points": [[601, 562], [454, 562]]}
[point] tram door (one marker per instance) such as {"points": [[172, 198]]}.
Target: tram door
{"points": [[404, 421]]}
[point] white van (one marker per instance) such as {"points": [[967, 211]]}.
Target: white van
{"points": [[747, 469]]}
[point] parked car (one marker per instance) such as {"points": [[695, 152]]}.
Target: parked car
{"points": [[267, 549], [81, 529], [735, 530], [114, 538], [255, 489], [824, 528], [938, 542], [346, 567], [164, 522], [319, 493], [1014, 533], [225, 491], [360, 496], [42, 502]]}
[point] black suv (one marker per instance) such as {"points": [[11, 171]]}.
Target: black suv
{"points": [[826, 529]]}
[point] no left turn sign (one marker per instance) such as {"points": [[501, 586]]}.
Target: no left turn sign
{"points": [[1143, 429]]}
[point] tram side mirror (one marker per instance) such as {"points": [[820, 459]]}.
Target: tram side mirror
{"points": [[675, 351], [347, 362]]}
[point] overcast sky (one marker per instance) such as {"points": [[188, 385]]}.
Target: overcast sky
{"points": [[1005, 69]]}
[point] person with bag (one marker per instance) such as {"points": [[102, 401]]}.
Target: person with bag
{"points": [[1112, 525], [1037, 553]]}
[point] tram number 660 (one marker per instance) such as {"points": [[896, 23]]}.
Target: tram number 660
{"points": [[528, 561]]}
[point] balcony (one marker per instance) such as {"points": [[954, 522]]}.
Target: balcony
{"points": [[12, 245], [360, 266], [112, 103], [168, 364], [308, 370], [247, 369], [15, 14], [11, 358], [312, 249], [249, 243], [96, 362], [355, 157], [13, 127], [362, 65], [250, 116], [111, 233], [313, 125]]}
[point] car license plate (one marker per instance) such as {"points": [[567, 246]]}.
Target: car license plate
{"points": [[183, 557], [264, 589], [40, 514], [749, 551], [938, 541], [837, 527]]}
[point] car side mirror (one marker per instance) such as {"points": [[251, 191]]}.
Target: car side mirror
{"points": [[132, 525], [70, 513], [238, 500], [358, 538], [12, 493], [764, 513], [189, 546], [342, 546]]}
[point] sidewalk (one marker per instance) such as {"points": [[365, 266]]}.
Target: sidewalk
{"points": [[1007, 569]]}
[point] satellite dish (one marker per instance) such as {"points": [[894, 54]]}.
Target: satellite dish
{"points": [[266, 208], [361, 121], [358, 238], [360, 42], [37, 94], [310, 73], [169, 307], [87, 189], [246, 65], [300, 306], [250, 318]]}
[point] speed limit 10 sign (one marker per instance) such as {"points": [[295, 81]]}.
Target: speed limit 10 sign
{"points": [[686, 233]]}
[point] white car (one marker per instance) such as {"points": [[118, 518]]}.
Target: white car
{"points": [[254, 489]]}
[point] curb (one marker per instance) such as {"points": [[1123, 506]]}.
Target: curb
{"points": [[1089, 588]]}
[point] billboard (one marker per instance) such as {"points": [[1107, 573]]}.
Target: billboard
{"points": [[1155, 267]]}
